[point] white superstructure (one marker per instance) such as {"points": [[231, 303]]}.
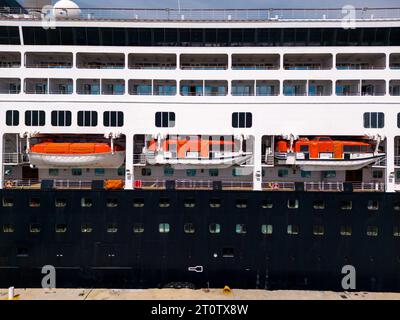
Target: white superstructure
{"points": [[252, 80]]}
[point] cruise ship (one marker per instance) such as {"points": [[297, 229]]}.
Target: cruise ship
{"points": [[151, 148]]}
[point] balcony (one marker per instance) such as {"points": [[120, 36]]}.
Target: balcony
{"points": [[88, 86], [48, 60], [243, 87], [262, 87], [100, 60], [204, 62], [255, 62], [10, 60], [308, 61], [139, 87], [320, 88], [206, 88], [61, 86], [373, 87], [152, 61], [164, 87], [361, 61], [348, 88], [36, 86], [394, 88], [394, 61], [112, 86], [295, 88], [267, 87], [10, 86]]}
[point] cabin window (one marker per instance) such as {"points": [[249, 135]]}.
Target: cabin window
{"points": [[374, 120], [112, 228], [373, 205], [163, 227], [228, 253], [241, 203], [215, 203], [138, 203], [113, 118], [266, 229], [242, 120], [87, 118], [53, 172], [34, 202], [319, 204], [396, 231], [283, 173], [99, 172], [304, 148], [396, 206], [164, 203], [397, 174], [86, 202], [213, 172], [146, 172], [329, 174], [372, 231], [241, 228], [189, 228], [121, 171], [293, 203], [12, 118], [293, 229], [35, 228], [61, 228], [377, 174], [86, 228], [76, 172], [168, 171], [345, 231], [214, 228], [8, 228], [60, 203], [189, 203], [191, 172], [35, 118], [267, 204], [61, 118], [346, 205], [305, 174], [112, 203], [138, 228], [165, 119], [8, 202], [22, 252], [318, 230]]}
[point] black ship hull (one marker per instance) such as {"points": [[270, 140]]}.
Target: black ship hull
{"points": [[343, 231]]}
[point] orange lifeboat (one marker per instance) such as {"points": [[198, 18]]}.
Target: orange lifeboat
{"points": [[76, 155]]}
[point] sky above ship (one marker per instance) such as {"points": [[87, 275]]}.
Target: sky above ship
{"points": [[235, 3]]}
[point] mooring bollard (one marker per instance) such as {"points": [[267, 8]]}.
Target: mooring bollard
{"points": [[11, 293]]}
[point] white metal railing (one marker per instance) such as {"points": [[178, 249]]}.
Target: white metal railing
{"points": [[71, 184], [14, 158], [323, 186], [20, 184], [279, 186], [208, 14], [397, 160], [369, 186]]}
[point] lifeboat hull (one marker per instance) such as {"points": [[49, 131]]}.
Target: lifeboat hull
{"points": [[199, 163], [95, 160], [332, 164]]}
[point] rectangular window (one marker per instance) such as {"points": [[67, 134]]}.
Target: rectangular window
{"points": [[306, 174], [283, 173], [266, 229], [113, 118], [35, 118], [372, 231], [293, 229], [138, 228], [165, 119], [189, 228], [53, 172], [61, 118], [35, 228], [213, 172], [242, 120], [377, 174], [329, 174], [214, 228], [164, 228], [12, 117], [99, 171], [345, 231], [87, 118], [168, 171], [374, 120], [76, 172], [191, 172], [146, 172], [86, 228], [318, 230]]}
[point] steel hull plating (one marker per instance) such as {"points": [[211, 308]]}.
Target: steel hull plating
{"points": [[153, 259]]}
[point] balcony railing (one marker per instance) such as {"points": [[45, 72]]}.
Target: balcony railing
{"points": [[266, 14]]}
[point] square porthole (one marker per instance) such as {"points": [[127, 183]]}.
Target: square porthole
{"points": [[396, 206], [241, 203], [35, 228], [346, 205], [164, 227], [318, 230], [8, 202], [22, 252], [215, 203], [8, 228], [138, 227], [345, 231], [228, 253], [372, 231], [266, 229], [189, 203], [396, 231], [319, 205], [138, 203], [61, 228], [164, 203], [214, 228], [112, 203], [34, 202], [86, 228], [293, 229], [189, 228], [241, 228], [60, 203], [267, 204], [373, 205], [293, 204], [86, 202], [112, 228]]}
